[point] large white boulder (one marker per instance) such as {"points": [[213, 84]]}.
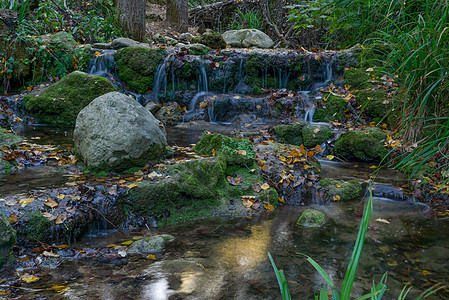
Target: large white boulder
{"points": [[247, 38], [114, 132]]}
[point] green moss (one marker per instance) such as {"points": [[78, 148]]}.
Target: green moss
{"points": [[356, 78], [373, 55], [211, 40], [366, 145], [61, 102], [315, 135], [8, 138], [137, 66], [347, 190], [333, 108], [198, 49], [270, 195], [289, 134], [36, 228], [228, 148], [375, 103], [312, 218], [7, 239]]}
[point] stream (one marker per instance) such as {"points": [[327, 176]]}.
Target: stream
{"points": [[226, 258]]}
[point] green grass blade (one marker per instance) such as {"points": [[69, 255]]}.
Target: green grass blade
{"points": [[323, 294], [320, 270], [282, 281]]}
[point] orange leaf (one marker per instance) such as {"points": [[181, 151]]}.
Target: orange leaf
{"points": [[268, 206], [281, 199], [51, 203], [13, 218]]}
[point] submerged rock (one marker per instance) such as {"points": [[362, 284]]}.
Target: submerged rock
{"points": [[341, 190], [115, 132], [312, 218], [62, 101], [137, 66], [234, 151], [7, 239], [153, 244], [365, 145], [246, 38]]}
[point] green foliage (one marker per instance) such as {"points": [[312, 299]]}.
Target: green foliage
{"points": [[249, 19], [280, 276]]}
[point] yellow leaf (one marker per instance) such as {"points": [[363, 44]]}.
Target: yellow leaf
{"points": [[425, 272], [26, 201], [127, 243], [242, 152], [382, 221], [50, 254], [247, 203], [268, 206], [213, 152], [373, 167], [112, 246], [132, 185], [203, 104], [29, 88], [60, 196], [336, 197], [306, 167], [97, 53], [28, 278], [316, 130], [265, 186], [49, 216], [59, 288], [281, 199], [330, 157], [151, 256], [13, 218], [51, 203], [384, 248], [60, 219], [337, 185]]}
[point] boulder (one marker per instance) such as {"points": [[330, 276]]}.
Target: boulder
{"points": [[314, 134], [153, 107], [169, 114], [7, 239], [159, 38], [186, 37], [60, 38], [289, 134], [120, 43], [364, 145], [198, 49], [61, 102], [153, 244], [137, 66], [341, 190], [114, 132], [356, 78], [312, 218], [211, 39], [332, 108], [246, 38], [234, 151]]}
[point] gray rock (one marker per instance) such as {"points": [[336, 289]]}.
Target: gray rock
{"points": [[153, 244], [114, 132], [159, 38], [153, 107], [119, 43], [170, 114], [7, 239], [61, 37], [312, 218], [186, 37], [181, 45], [246, 38]]}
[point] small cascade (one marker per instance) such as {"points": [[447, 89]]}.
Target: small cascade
{"points": [[160, 78], [102, 64], [309, 107], [202, 80]]}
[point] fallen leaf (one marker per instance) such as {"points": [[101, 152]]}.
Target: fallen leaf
{"points": [[336, 197], [28, 278], [132, 185], [268, 206], [384, 248], [316, 130], [257, 188], [382, 221], [60, 219], [151, 256], [425, 272], [127, 243], [50, 254], [59, 288], [265, 186], [60, 196], [373, 167], [26, 201], [51, 203], [281, 199], [242, 152], [113, 190], [49, 216], [330, 157]]}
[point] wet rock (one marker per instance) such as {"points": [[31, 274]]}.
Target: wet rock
{"points": [[365, 145], [389, 192], [119, 43], [186, 37], [7, 239], [126, 135], [331, 108], [153, 107], [341, 190], [153, 244], [159, 38], [290, 134], [198, 49], [234, 151], [170, 114], [247, 38], [137, 66], [62, 101], [312, 218], [211, 39], [315, 135]]}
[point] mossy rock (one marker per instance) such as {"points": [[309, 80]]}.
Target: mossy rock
{"points": [[7, 239], [212, 40], [234, 151], [364, 145], [198, 49], [290, 134], [36, 227], [152, 244], [332, 108], [346, 190], [6, 167], [315, 135], [8, 138], [61, 102], [356, 78], [137, 66], [312, 218], [61, 38], [375, 103]]}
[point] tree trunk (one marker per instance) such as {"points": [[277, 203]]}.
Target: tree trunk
{"points": [[177, 15], [132, 17]]}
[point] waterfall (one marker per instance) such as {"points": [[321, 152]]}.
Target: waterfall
{"points": [[160, 78], [309, 107], [102, 64], [202, 80]]}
